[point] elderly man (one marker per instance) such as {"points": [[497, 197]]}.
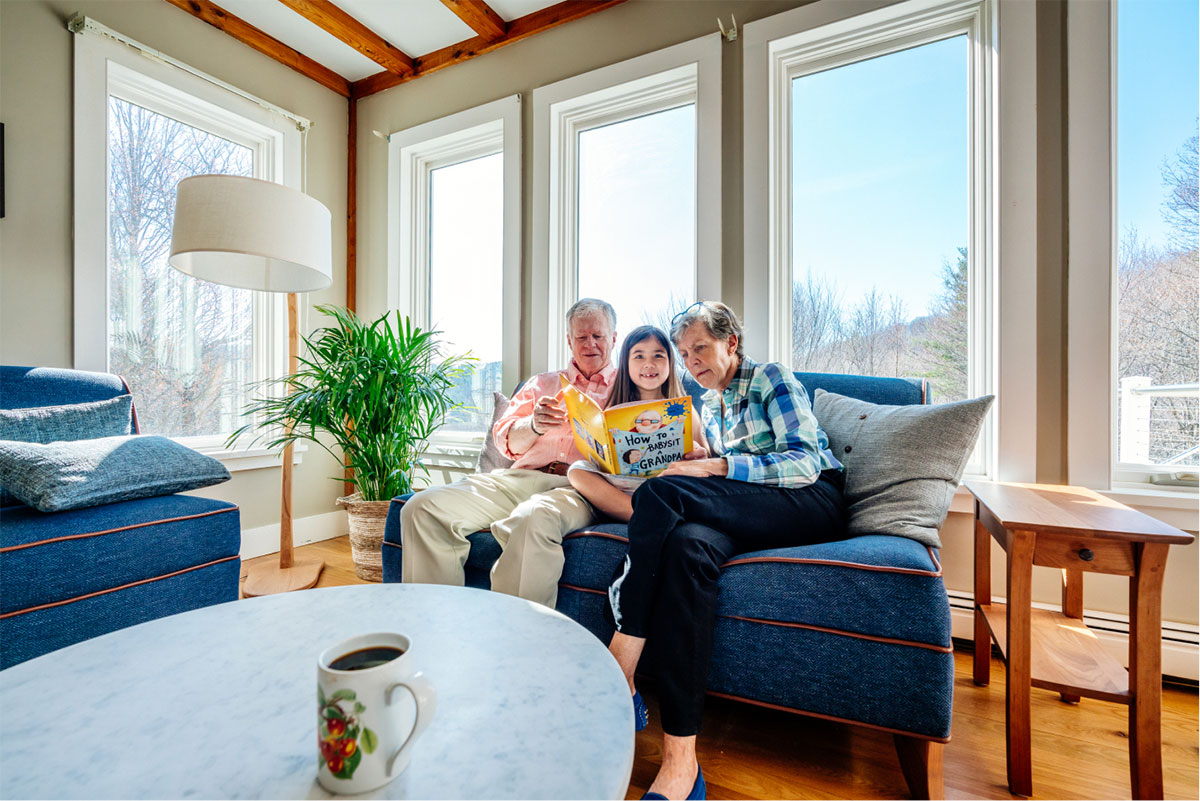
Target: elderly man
{"points": [[531, 505]]}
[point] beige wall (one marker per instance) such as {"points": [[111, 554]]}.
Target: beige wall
{"points": [[36, 270]]}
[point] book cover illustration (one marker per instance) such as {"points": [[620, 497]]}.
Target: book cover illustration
{"points": [[634, 439]]}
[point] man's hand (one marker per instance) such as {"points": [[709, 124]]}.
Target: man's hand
{"points": [[548, 412], [697, 467]]}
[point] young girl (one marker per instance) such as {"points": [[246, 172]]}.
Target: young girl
{"points": [[645, 371]]}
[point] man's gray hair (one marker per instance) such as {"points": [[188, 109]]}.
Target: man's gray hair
{"points": [[717, 318], [585, 307]]}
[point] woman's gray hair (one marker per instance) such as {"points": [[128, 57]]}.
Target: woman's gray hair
{"points": [[585, 307], [717, 318]]}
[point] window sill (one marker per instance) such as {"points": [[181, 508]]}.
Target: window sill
{"points": [[238, 459]]}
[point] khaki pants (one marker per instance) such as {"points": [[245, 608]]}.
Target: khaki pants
{"points": [[528, 512]]}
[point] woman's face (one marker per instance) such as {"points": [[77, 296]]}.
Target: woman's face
{"points": [[649, 364], [711, 361]]}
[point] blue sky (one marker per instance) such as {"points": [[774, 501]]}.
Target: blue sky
{"points": [[1157, 90]]}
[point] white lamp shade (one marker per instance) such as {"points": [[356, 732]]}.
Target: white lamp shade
{"points": [[252, 234]]}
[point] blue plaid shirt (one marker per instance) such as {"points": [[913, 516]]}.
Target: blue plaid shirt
{"points": [[767, 432]]}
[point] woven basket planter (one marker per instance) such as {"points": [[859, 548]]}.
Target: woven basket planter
{"points": [[367, 519]]}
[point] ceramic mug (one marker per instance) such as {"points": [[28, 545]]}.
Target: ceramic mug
{"points": [[366, 727]]}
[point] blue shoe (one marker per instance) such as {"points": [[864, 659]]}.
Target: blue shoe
{"points": [[698, 789], [641, 715], [697, 793]]}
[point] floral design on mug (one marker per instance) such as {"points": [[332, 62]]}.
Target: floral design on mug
{"points": [[340, 737]]}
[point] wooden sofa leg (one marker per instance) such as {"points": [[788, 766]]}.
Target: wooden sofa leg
{"points": [[921, 761]]}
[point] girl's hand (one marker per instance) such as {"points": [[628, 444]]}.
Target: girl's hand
{"points": [[696, 453], [697, 467]]}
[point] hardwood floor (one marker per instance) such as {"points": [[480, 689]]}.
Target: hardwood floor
{"points": [[1079, 750]]}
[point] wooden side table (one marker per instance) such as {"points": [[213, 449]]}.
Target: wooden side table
{"points": [[1076, 530]]}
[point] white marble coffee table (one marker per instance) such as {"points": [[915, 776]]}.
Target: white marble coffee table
{"points": [[219, 702]]}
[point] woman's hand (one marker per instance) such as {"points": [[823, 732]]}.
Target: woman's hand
{"points": [[697, 467]]}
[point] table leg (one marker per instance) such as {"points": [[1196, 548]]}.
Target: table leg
{"points": [[1145, 671], [1017, 726], [983, 595], [1072, 606]]}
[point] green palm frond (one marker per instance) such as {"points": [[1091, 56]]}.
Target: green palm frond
{"points": [[379, 389]]}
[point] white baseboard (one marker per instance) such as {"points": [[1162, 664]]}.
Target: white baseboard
{"points": [[265, 539], [1180, 641]]}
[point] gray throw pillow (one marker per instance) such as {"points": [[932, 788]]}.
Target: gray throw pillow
{"points": [[58, 476], [902, 463], [72, 421], [491, 457]]}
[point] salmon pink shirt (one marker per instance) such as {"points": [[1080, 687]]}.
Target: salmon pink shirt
{"points": [[558, 443]]}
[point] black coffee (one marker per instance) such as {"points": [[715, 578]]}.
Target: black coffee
{"points": [[367, 658]]}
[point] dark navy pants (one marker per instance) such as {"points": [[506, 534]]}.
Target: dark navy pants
{"points": [[682, 530]]}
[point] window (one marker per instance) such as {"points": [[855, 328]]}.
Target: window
{"points": [[1157, 276], [1132, 292], [454, 248], [190, 350], [627, 191], [869, 195]]}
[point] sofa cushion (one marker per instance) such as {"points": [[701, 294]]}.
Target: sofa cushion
{"points": [[58, 476], [45, 559], [491, 457], [74, 421], [102, 418], [902, 463]]}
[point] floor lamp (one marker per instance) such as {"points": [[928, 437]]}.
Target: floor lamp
{"points": [[253, 234]]}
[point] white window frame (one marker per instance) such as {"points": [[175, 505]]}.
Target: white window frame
{"points": [[413, 154], [1092, 397], [1001, 177], [108, 64], [675, 76]]}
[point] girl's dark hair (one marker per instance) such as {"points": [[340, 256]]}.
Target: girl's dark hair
{"points": [[624, 390]]}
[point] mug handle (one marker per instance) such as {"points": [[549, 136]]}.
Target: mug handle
{"points": [[426, 700]]}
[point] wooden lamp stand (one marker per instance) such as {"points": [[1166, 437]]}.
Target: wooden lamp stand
{"points": [[290, 574]]}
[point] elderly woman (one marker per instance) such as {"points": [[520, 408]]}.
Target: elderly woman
{"points": [[773, 483]]}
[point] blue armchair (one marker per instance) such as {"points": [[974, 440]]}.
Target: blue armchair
{"points": [[72, 575], [856, 631]]}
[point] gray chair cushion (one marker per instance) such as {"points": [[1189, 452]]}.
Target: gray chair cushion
{"points": [[58, 476], [103, 418], [903, 463], [491, 457]]}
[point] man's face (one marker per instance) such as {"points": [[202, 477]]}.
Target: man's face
{"points": [[591, 340]]}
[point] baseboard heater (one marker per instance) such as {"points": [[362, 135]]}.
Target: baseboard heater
{"points": [[1180, 641]]}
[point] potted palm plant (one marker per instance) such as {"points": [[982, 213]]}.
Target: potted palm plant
{"points": [[379, 390]]}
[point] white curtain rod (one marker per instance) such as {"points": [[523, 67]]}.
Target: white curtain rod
{"points": [[81, 24]]}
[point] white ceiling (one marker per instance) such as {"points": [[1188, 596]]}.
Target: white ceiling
{"points": [[416, 27]]}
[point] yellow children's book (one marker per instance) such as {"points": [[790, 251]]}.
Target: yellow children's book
{"points": [[634, 439]]}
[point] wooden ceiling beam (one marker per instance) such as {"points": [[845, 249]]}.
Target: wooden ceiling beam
{"points": [[336, 22], [480, 16], [518, 29], [264, 43]]}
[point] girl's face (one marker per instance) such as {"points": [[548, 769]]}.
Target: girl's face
{"points": [[649, 365]]}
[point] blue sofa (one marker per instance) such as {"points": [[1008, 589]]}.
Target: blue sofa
{"points": [[69, 576], [855, 631]]}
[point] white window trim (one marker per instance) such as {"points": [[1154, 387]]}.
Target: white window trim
{"points": [[107, 63], [1092, 398], [669, 78], [413, 154], [1002, 216]]}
